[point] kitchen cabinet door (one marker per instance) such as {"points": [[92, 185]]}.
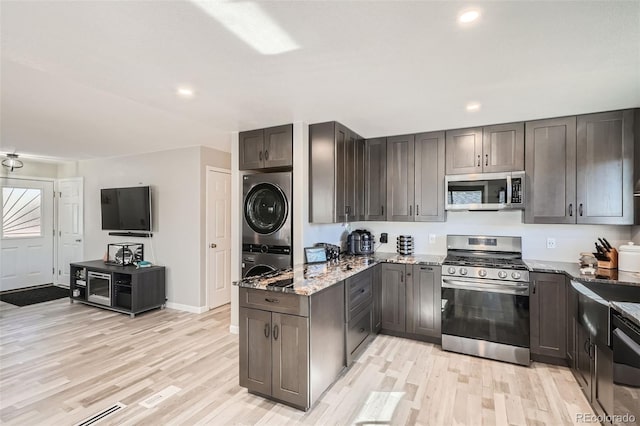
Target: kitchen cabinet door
{"points": [[350, 177], [290, 359], [377, 298], [342, 136], [503, 148], [393, 297], [583, 360], [400, 178], [423, 304], [572, 313], [429, 177], [463, 151], [360, 181], [375, 182], [605, 168], [550, 166], [251, 147], [255, 350], [278, 146], [548, 315]]}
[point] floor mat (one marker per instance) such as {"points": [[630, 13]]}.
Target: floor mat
{"points": [[34, 295]]}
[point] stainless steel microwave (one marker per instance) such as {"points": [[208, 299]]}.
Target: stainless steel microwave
{"points": [[485, 191]]}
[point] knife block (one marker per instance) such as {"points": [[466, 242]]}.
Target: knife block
{"points": [[612, 263]]}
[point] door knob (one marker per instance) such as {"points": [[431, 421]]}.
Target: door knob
{"points": [[213, 245]]}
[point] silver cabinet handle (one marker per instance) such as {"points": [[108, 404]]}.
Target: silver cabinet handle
{"points": [[260, 155], [266, 155], [275, 332], [478, 160], [486, 159], [410, 210], [271, 300], [570, 209], [267, 329], [580, 209], [417, 209], [213, 245], [78, 241]]}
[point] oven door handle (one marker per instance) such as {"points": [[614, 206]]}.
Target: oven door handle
{"points": [[518, 289]]}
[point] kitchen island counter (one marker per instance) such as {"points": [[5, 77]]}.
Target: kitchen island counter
{"points": [[308, 279]]}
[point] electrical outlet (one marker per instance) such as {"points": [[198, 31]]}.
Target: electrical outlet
{"points": [[432, 238], [551, 243]]}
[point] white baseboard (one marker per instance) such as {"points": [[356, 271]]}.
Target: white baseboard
{"points": [[187, 308], [234, 329]]}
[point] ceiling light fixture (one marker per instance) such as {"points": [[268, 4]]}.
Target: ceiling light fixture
{"points": [[12, 162], [185, 92], [473, 106], [251, 24], [468, 16]]}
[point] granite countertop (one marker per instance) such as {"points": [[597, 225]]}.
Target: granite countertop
{"points": [[602, 276], [310, 279], [628, 310]]}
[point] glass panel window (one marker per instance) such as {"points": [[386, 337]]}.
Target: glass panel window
{"points": [[21, 212]]}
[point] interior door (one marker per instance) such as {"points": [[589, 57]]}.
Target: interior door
{"points": [[218, 238], [26, 232], [70, 226]]}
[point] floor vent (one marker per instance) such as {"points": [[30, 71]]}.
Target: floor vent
{"points": [[156, 399], [102, 414]]}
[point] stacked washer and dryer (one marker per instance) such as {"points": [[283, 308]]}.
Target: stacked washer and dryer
{"points": [[267, 223]]}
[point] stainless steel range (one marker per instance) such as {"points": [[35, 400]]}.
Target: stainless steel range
{"points": [[485, 298]]}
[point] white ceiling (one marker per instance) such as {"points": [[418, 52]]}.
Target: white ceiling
{"points": [[85, 79]]}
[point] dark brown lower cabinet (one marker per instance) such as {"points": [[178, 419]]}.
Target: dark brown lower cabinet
{"points": [[424, 301], [393, 297], [291, 346], [548, 317], [411, 300], [377, 298]]}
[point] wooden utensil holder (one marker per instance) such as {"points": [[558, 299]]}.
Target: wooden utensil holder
{"points": [[612, 263]]}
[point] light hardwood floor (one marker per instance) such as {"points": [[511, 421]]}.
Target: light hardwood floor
{"points": [[60, 363]]}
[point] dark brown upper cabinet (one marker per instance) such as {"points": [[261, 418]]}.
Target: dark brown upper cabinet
{"points": [[550, 171], [375, 180], [580, 170], [415, 177], [336, 174], [604, 157], [498, 148], [266, 148]]}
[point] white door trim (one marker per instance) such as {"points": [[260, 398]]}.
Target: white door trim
{"points": [[206, 232]]}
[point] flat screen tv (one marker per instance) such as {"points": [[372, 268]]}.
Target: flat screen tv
{"points": [[126, 209]]}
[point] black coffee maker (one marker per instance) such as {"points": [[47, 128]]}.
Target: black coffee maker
{"points": [[360, 242]]}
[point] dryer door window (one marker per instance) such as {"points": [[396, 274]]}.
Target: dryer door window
{"points": [[265, 208], [258, 270]]}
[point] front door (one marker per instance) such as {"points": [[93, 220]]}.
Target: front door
{"points": [[218, 238], [70, 226], [26, 233]]}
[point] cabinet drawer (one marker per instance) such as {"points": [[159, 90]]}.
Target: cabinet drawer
{"points": [[285, 303], [359, 293], [358, 330]]}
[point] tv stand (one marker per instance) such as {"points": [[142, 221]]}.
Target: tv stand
{"points": [[132, 234], [124, 289]]}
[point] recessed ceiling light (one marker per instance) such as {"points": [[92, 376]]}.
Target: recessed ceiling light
{"points": [[185, 92], [468, 16], [473, 106]]}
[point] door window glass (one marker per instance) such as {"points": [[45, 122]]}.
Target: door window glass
{"points": [[265, 208], [21, 212]]}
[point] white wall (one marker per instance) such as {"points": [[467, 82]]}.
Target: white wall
{"points": [[32, 168], [178, 194], [570, 239]]}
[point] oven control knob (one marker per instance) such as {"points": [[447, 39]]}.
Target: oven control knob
{"points": [[515, 275], [463, 271], [502, 275], [451, 270], [482, 273]]}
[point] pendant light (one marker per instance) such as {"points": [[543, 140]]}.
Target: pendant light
{"points": [[12, 162]]}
